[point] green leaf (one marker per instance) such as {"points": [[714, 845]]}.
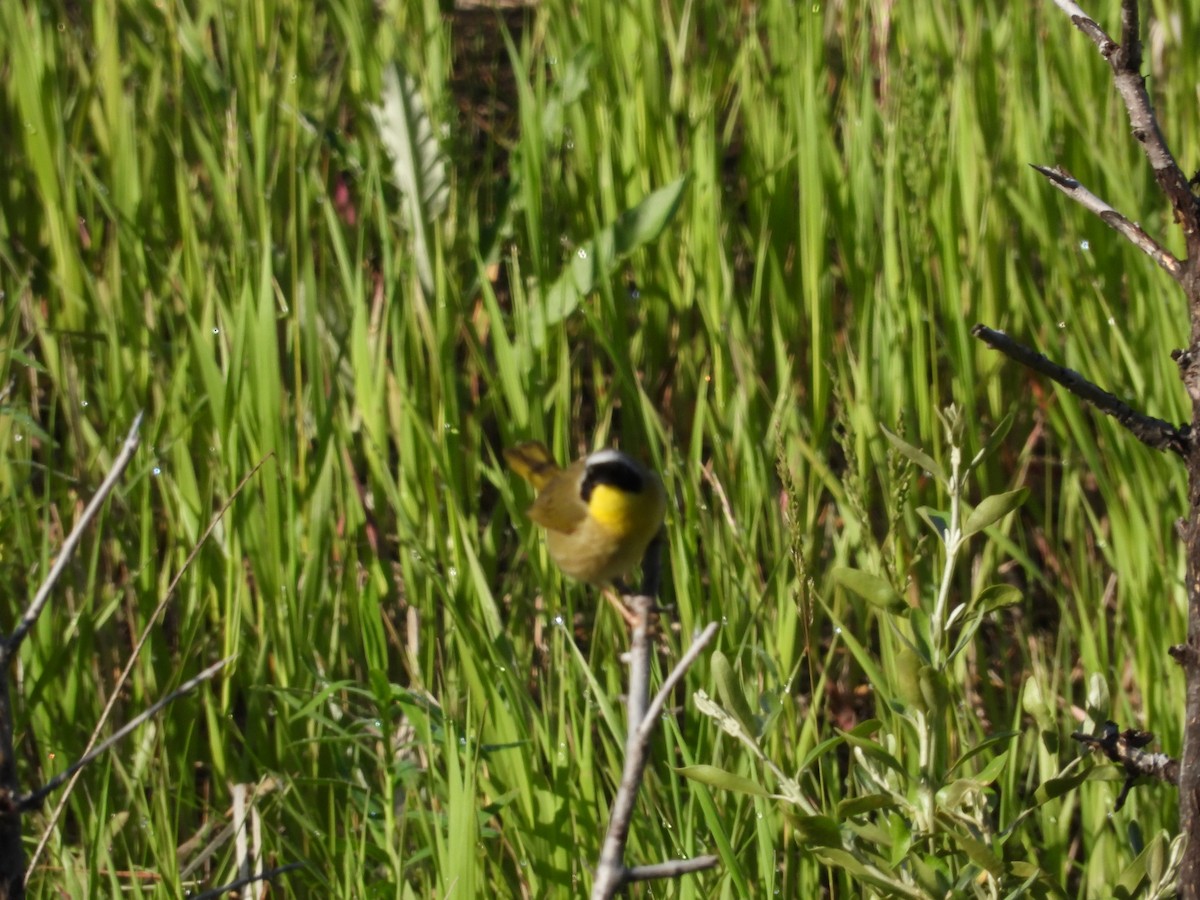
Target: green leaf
{"points": [[817, 831], [418, 166], [936, 519], [875, 590], [920, 457], [999, 433], [997, 596], [856, 806], [573, 84], [1053, 788], [726, 781], [731, 694], [874, 750], [597, 257], [993, 509], [1001, 738], [980, 853]]}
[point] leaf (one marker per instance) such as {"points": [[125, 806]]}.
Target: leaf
{"points": [[817, 831], [997, 596], [980, 853], [1053, 788], [726, 781], [1001, 738], [920, 457], [875, 590], [993, 509], [856, 806], [574, 81], [999, 433], [731, 693], [418, 165], [597, 257], [936, 519]]}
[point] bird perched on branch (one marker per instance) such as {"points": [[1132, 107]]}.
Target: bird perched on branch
{"points": [[600, 512]]}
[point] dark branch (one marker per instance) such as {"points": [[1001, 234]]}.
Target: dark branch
{"points": [[269, 875], [35, 798], [1125, 747], [1131, 231], [1125, 60], [1152, 432]]}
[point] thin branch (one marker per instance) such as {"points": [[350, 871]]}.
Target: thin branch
{"points": [[35, 798], [242, 882], [643, 713], [654, 710], [116, 691], [9, 646], [1156, 433], [1125, 60], [1125, 747], [1131, 231], [672, 869]]}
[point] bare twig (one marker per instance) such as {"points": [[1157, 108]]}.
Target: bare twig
{"points": [[1131, 231], [672, 869], [1125, 747], [1125, 59], [1156, 433], [35, 798], [10, 645], [115, 693], [654, 710], [268, 875], [12, 851], [611, 872]]}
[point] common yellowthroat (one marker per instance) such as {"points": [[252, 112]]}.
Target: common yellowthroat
{"points": [[600, 512]]}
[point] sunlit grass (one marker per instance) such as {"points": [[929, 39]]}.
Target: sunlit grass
{"points": [[197, 219]]}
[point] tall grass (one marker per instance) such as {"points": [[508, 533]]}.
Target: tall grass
{"points": [[197, 219]]}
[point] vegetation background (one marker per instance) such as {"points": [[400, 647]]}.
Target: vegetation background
{"points": [[197, 219]]}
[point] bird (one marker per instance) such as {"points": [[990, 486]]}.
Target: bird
{"points": [[600, 513]]}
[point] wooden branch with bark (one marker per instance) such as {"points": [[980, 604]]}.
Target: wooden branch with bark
{"points": [[612, 875], [1124, 57]]}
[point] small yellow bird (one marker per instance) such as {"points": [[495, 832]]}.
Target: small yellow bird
{"points": [[600, 513]]}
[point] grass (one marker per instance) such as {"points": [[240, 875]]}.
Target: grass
{"points": [[199, 220]]}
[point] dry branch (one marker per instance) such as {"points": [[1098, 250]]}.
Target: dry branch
{"points": [[1152, 432], [611, 872], [1125, 60]]}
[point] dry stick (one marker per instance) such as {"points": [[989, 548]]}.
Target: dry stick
{"points": [[12, 851], [115, 694], [1125, 60], [1131, 231], [34, 799], [1125, 747], [611, 872], [12, 643], [242, 882], [1152, 432]]}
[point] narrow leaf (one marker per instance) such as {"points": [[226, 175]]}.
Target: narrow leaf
{"points": [[920, 457], [875, 590], [597, 257], [993, 509], [418, 166], [726, 781]]}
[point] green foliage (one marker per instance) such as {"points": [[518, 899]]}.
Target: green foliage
{"points": [[744, 241]]}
